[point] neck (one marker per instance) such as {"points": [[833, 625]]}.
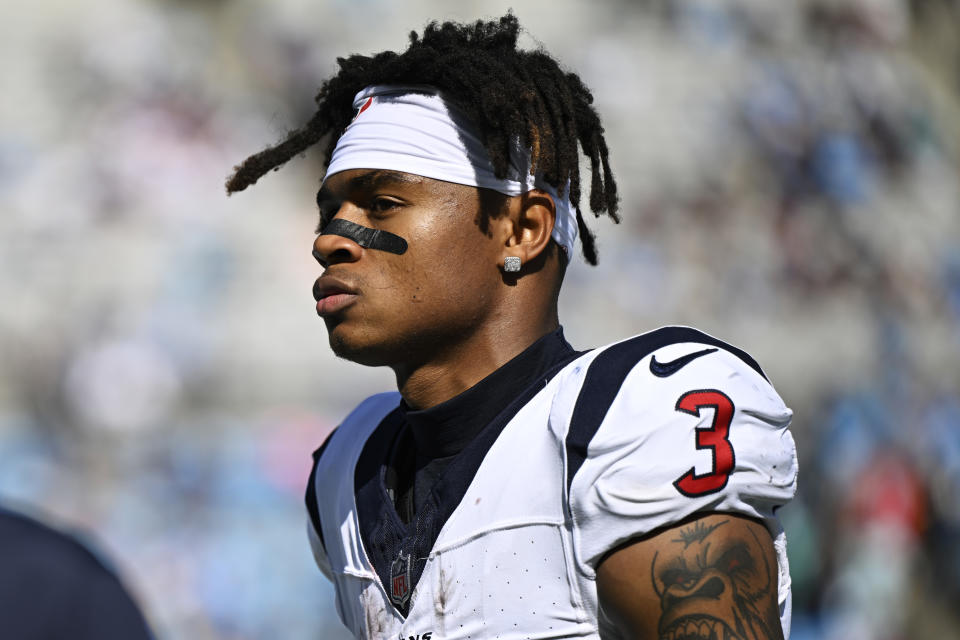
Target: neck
{"points": [[455, 369]]}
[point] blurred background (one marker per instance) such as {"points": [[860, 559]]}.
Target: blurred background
{"points": [[789, 177]]}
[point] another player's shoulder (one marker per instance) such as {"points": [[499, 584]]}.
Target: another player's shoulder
{"points": [[26, 535], [54, 582]]}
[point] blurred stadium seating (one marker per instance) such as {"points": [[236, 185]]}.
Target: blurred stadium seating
{"points": [[790, 178]]}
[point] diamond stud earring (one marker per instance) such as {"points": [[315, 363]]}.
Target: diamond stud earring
{"points": [[511, 264]]}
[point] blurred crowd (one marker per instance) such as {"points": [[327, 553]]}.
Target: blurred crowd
{"points": [[790, 180]]}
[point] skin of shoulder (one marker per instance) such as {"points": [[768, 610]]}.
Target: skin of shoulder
{"points": [[710, 576]]}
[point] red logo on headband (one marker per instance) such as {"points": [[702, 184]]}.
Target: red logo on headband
{"points": [[363, 107]]}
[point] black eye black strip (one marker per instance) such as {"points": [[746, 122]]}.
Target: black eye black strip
{"points": [[366, 237]]}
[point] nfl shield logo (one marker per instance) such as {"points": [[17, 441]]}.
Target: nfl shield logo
{"points": [[400, 580]]}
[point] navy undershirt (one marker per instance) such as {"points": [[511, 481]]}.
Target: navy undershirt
{"points": [[431, 438]]}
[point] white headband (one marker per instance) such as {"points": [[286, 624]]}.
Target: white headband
{"points": [[419, 133]]}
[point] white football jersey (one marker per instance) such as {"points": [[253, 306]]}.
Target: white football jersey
{"points": [[620, 441]]}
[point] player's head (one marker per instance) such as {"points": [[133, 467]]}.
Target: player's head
{"points": [[475, 143]]}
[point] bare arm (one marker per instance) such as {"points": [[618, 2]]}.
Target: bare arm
{"points": [[713, 577]]}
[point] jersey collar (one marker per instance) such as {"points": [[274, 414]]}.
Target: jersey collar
{"points": [[445, 429]]}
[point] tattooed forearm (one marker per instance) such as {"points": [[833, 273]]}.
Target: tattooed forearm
{"points": [[715, 586]]}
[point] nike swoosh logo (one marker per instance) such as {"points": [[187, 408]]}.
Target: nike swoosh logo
{"points": [[664, 369]]}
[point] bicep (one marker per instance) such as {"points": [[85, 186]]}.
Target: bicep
{"points": [[712, 576]]}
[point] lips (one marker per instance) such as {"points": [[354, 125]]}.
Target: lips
{"points": [[332, 295]]}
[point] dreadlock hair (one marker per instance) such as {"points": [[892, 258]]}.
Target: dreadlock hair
{"points": [[507, 93]]}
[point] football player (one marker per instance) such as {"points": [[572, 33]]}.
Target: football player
{"points": [[515, 487]]}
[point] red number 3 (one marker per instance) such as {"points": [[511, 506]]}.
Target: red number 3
{"points": [[715, 438]]}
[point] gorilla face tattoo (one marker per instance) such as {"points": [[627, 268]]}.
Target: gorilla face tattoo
{"points": [[709, 590]]}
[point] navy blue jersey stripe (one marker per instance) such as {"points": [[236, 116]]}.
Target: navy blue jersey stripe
{"points": [[606, 375]]}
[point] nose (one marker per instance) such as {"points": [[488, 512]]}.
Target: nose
{"points": [[333, 249]]}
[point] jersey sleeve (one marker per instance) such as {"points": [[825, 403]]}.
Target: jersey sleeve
{"points": [[709, 435], [319, 552], [314, 528], [329, 495]]}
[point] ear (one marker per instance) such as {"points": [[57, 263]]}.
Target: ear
{"points": [[532, 215]]}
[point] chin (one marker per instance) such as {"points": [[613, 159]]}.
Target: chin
{"points": [[360, 349], [356, 353], [395, 346]]}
